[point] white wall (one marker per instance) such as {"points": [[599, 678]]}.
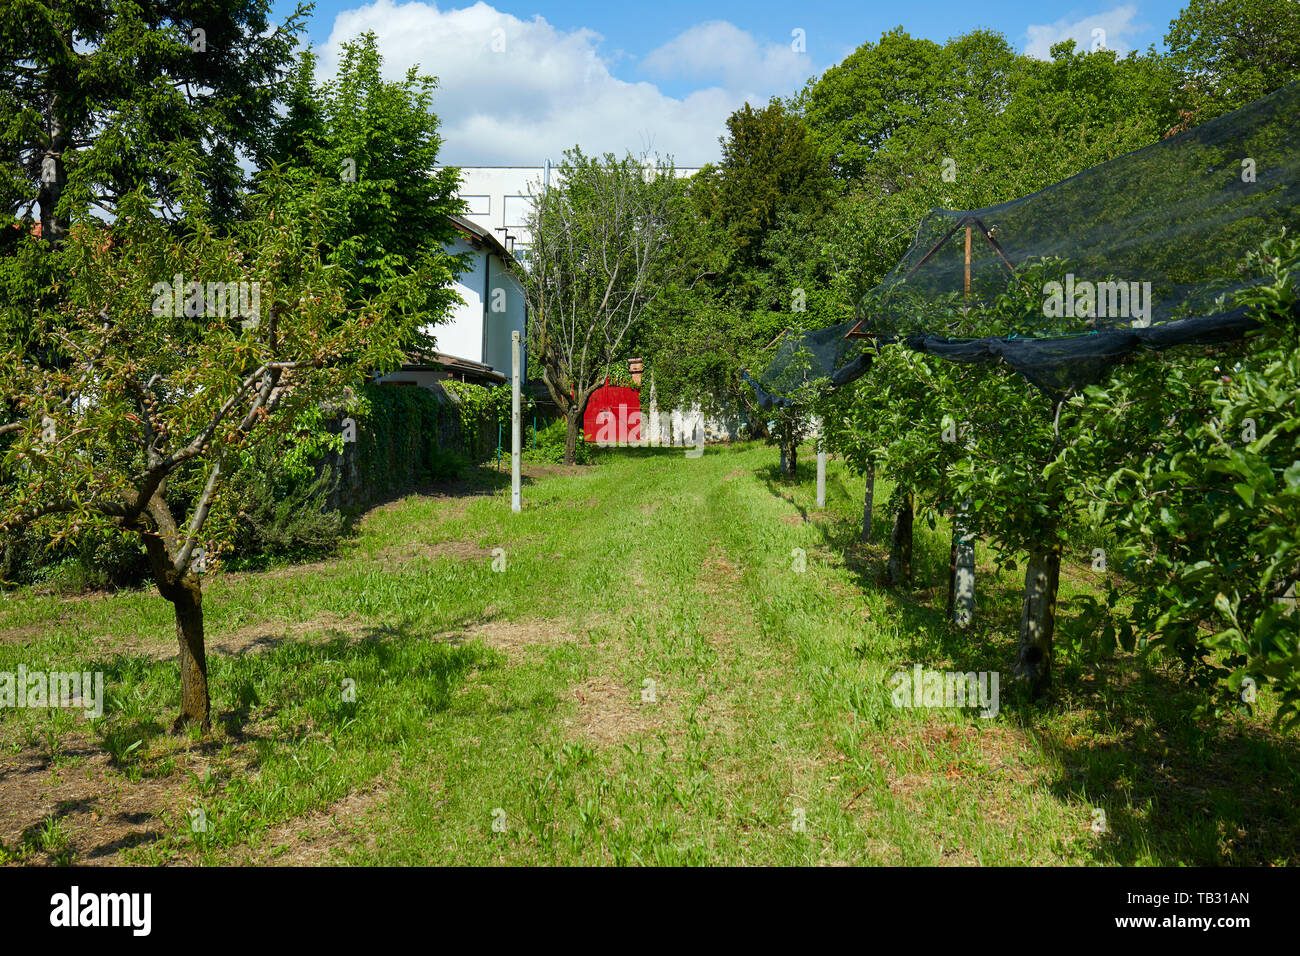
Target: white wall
{"points": [[498, 198], [462, 334], [680, 426], [502, 311]]}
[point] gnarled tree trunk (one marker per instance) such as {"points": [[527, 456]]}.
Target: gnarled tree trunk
{"points": [[184, 592], [1038, 621], [573, 421], [789, 459], [868, 502], [899, 569], [188, 603]]}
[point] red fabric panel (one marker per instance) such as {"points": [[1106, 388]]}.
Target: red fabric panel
{"points": [[613, 414]]}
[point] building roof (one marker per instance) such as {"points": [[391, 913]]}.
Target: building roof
{"points": [[466, 369], [478, 235]]}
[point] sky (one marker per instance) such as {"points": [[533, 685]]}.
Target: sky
{"points": [[521, 82]]}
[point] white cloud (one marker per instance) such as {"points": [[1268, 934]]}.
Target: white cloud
{"points": [[722, 52], [1115, 25], [515, 92]]}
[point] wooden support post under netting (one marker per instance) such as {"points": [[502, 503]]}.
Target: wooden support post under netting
{"points": [[968, 262]]}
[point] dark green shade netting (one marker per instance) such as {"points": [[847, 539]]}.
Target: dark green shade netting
{"points": [[1146, 251]]}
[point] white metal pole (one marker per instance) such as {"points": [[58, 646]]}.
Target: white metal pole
{"points": [[821, 476], [515, 503]]}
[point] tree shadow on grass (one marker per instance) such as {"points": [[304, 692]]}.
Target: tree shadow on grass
{"points": [[1174, 791], [480, 480], [289, 696], [1119, 733]]}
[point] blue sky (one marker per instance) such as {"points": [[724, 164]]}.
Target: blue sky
{"points": [[522, 81]]}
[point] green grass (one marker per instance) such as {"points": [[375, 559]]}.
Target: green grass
{"points": [[499, 715]]}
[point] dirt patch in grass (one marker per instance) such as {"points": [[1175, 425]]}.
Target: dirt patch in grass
{"points": [[16, 635], [306, 569], [161, 645], [609, 712], [985, 763], [321, 838], [259, 637], [721, 580], [459, 550], [536, 470], [517, 636], [967, 749], [78, 808], [718, 568]]}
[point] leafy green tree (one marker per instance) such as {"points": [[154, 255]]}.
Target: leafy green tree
{"points": [[769, 166], [1080, 109], [170, 365], [375, 145], [738, 292], [92, 93], [1231, 52], [1207, 502], [697, 347], [971, 123], [900, 86], [599, 259]]}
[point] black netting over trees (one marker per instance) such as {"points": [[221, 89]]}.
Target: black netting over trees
{"points": [[1144, 251]]}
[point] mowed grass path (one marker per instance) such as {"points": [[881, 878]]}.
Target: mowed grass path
{"points": [[644, 677]]}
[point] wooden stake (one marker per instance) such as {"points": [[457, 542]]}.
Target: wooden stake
{"points": [[968, 262]]}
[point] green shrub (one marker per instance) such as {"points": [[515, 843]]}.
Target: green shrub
{"points": [[482, 410], [550, 445], [101, 558], [280, 512], [445, 465]]}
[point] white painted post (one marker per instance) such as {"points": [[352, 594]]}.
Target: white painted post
{"points": [[963, 585], [821, 476], [515, 503]]}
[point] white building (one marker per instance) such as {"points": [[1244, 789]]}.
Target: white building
{"points": [[474, 343], [499, 198]]}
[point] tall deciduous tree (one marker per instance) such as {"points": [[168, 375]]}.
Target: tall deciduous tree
{"points": [[92, 93], [1233, 51], [599, 259], [374, 144], [770, 166]]}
